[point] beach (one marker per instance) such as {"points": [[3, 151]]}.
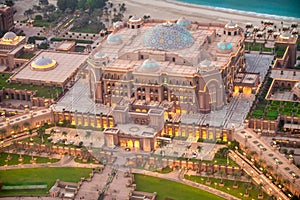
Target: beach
{"points": [[171, 10]]}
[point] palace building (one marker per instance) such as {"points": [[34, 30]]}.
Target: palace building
{"points": [[153, 73]]}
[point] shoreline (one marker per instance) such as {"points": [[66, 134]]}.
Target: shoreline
{"points": [[235, 11], [172, 9]]}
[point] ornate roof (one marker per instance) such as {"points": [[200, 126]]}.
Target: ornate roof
{"points": [[224, 45], [150, 65], [168, 36], [182, 21], [9, 36], [43, 64]]}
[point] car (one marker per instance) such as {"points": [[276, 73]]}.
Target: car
{"points": [[127, 149]]}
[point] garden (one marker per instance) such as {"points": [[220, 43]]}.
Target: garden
{"points": [[239, 189], [41, 91], [271, 109], [16, 159], [174, 190], [257, 47], [38, 176]]}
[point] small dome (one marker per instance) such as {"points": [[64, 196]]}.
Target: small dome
{"points": [[224, 46], [206, 65], [135, 19], [43, 64], [114, 39], [168, 36], [182, 21], [231, 25], [118, 24], [150, 65], [9, 36]]}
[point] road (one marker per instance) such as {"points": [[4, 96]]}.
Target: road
{"points": [[257, 176]]}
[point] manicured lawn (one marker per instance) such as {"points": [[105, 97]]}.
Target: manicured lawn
{"points": [[32, 176], [228, 187], [42, 91], [89, 28], [26, 159], [40, 23], [165, 188], [27, 55]]}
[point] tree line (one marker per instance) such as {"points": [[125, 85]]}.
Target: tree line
{"points": [[72, 5]]}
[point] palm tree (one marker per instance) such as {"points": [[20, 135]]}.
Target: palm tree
{"points": [[26, 124], [221, 174], [199, 148], [246, 185], [234, 175], [15, 127], [41, 133], [3, 133], [260, 186]]}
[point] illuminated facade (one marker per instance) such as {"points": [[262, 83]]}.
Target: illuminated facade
{"points": [[179, 67], [11, 46]]}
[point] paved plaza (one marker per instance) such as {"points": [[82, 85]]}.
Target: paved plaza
{"points": [[179, 148], [89, 138], [78, 99]]}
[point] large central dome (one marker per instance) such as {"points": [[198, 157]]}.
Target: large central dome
{"points": [[168, 36]]}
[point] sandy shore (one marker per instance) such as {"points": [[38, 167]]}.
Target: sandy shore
{"points": [[164, 9]]}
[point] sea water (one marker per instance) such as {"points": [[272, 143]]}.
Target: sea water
{"points": [[273, 8]]}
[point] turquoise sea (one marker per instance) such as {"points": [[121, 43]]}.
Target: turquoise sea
{"points": [[279, 8]]}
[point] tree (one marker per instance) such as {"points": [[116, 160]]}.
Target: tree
{"points": [[221, 175], [41, 133], [38, 17], [26, 124], [28, 13], [44, 2], [3, 133], [15, 127], [9, 3], [64, 4], [234, 175], [199, 148], [246, 185]]}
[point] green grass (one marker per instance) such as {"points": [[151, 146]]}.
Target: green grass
{"points": [[68, 39], [41, 175], [26, 56], [228, 187], [26, 159], [169, 189], [42, 91], [89, 28], [79, 48], [165, 170], [40, 23]]}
